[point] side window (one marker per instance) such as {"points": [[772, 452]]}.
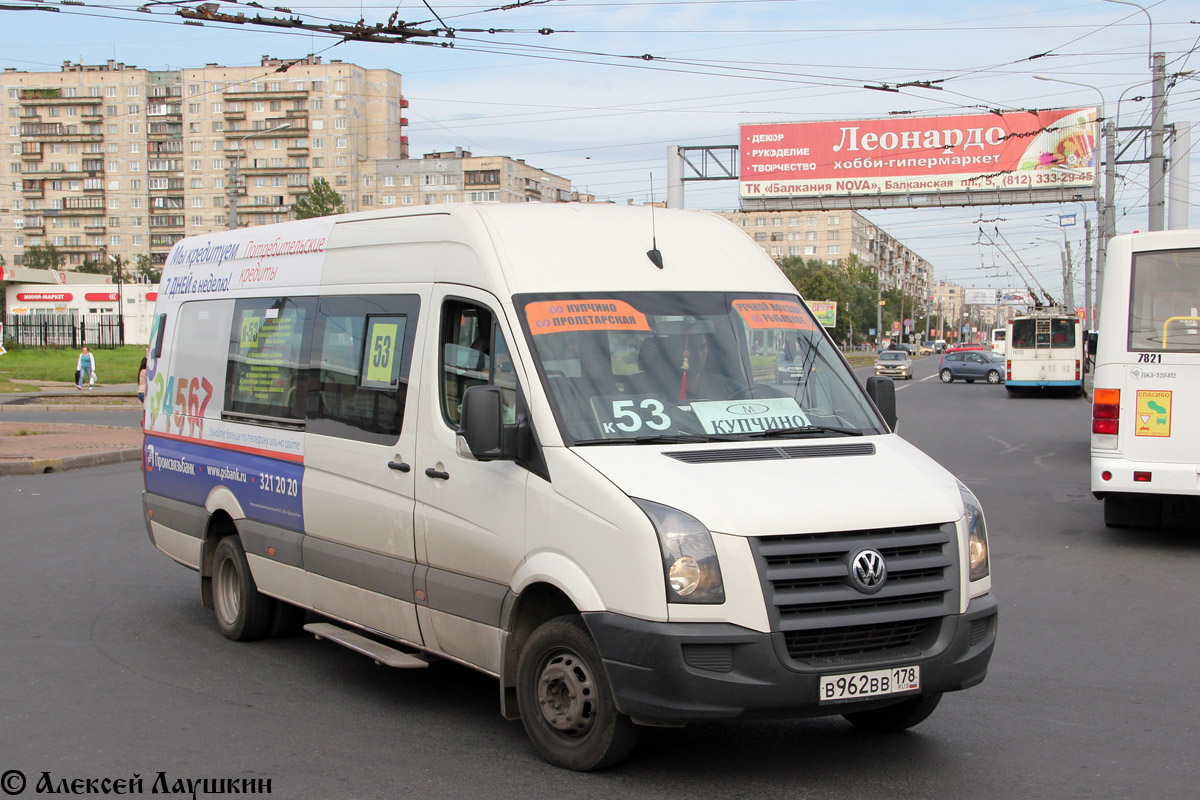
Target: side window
{"points": [[268, 358], [474, 353], [362, 353]]}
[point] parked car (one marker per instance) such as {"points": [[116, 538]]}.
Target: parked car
{"points": [[895, 363], [926, 350], [788, 369], [971, 366]]}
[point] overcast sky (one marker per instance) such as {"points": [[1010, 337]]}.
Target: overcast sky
{"points": [[599, 99]]}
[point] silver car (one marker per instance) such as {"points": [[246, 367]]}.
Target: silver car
{"points": [[894, 363]]}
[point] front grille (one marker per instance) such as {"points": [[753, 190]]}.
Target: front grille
{"points": [[813, 601], [779, 453], [855, 640]]}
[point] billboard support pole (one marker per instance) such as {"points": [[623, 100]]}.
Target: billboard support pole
{"points": [[674, 177]]}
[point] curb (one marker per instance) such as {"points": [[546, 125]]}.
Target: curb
{"points": [[46, 407], [38, 466]]}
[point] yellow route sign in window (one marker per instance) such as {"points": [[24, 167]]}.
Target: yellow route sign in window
{"points": [[1153, 413], [381, 361]]}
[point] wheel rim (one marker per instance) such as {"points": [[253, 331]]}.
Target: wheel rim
{"points": [[947, 376], [993, 377], [226, 591], [566, 694]]}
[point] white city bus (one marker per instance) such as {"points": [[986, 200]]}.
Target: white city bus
{"points": [[1146, 397], [1044, 351], [999, 335]]}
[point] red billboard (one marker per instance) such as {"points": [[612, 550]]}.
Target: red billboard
{"points": [[1019, 150]]}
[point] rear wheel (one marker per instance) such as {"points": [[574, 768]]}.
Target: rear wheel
{"points": [[947, 376], [993, 376], [897, 717], [243, 614], [566, 704]]}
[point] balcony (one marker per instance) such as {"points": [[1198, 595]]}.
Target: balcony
{"points": [[234, 114], [32, 155], [34, 188], [281, 94], [81, 204], [55, 97]]}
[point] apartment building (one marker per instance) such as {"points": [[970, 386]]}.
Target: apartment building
{"points": [[110, 159], [459, 177], [831, 236]]}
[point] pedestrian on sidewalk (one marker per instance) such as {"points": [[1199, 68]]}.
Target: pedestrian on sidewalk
{"points": [[142, 380], [85, 369]]}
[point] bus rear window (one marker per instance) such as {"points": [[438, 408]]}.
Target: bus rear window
{"points": [[1043, 332], [1164, 302]]}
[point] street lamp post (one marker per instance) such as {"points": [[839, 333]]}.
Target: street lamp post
{"points": [[1156, 206], [233, 171], [1106, 218], [117, 264]]}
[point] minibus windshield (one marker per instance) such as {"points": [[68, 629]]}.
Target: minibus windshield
{"points": [[634, 368]]}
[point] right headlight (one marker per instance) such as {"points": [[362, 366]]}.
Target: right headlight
{"points": [[690, 567], [977, 543]]}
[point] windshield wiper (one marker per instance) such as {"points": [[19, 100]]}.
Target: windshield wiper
{"points": [[669, 438], [806, 429]]}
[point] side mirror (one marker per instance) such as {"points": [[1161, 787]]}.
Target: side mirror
{"points": [[1093, 338], [882, 392], [482, 423]]}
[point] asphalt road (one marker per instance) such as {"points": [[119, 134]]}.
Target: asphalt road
{"points": [[120, 419], [110, 666]]}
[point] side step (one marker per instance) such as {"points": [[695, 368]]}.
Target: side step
{"points": [[380, 653]]}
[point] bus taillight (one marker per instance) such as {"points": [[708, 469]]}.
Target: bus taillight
{"points": [[1077, 376], [1106, 408]]}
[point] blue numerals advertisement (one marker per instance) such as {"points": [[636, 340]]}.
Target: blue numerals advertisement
{"points": [[268, 489]]}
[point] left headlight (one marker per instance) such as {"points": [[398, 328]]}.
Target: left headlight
{"points": [[690, 567], [977, 543]]}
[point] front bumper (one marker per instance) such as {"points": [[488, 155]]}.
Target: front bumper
{"points": [[671, 673]]}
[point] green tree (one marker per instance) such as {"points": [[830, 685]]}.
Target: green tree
{"points": [[319, 201], [143, 269], [849, 283], [96, 267], [43, 256]]}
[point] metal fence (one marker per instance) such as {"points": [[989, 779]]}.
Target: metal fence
{"points": [[97, 331]]}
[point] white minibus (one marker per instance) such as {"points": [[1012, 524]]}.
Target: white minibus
{"points": [[1044, 351], [999, 335], [1146, 392], [551, 443]]}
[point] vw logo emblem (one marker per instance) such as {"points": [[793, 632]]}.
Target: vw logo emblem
{"points": [[868, 571]]}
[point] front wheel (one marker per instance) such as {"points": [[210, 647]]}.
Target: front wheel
{"points": [[566, 704], [947, 376], [243, 614], [993, 376], [897, 717]]}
